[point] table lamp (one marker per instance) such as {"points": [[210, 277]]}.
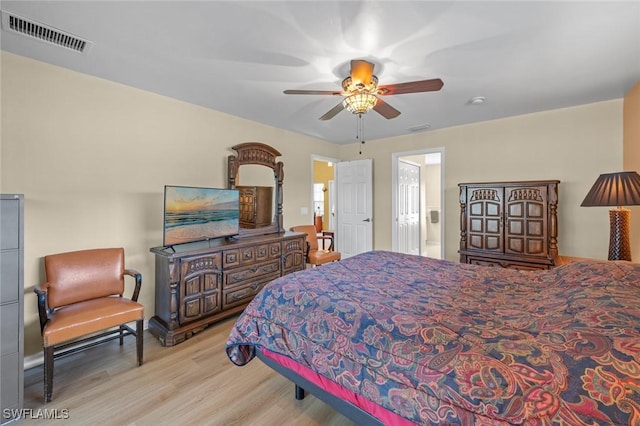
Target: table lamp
{"points": [[616, 189]]}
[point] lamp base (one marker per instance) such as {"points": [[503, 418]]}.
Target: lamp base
{"points": [[619, 244]]}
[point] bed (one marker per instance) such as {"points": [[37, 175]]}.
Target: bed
{"points": [[411, 340]]}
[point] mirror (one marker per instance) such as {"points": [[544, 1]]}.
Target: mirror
{"points": [[256, 174], [257, 197]]}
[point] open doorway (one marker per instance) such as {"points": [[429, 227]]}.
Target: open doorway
{"points": [[342, 200], [323, 193], [418, 214]]}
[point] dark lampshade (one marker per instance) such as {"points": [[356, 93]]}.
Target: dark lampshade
{"points": [[616, 190]]}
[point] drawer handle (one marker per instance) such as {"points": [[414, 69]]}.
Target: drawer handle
{"points": [[239, 295]]}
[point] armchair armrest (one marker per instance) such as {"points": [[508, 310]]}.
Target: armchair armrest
{"points": [[324, 238], [138, 277], [41, 291]]}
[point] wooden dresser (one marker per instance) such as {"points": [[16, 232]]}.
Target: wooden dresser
{"points": [[256, 209], [509, 224], [203, 282]]}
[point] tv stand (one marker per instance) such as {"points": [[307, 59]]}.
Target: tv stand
{"points": [[200, 283]]}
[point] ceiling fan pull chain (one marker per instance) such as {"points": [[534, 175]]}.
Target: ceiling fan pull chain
{"points": [[360, 131]]}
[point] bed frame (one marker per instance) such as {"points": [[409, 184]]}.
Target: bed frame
{"points": [[349, 410]]}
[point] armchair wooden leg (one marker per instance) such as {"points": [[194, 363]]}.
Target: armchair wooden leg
{"points": [[139, 339], [48, 373]]}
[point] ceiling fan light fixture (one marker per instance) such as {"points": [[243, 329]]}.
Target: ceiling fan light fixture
{"points": [[359, 103]]}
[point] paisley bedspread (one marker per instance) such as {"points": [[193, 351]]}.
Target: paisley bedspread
{"points": [[439, 342]]}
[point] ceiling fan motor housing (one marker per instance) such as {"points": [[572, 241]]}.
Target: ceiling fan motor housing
{"points": [[349, 86]]}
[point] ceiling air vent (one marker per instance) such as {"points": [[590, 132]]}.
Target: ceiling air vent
{"points": [[19, 25]]}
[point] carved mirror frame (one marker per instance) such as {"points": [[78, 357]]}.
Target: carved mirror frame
{"points": [[263, 155]]}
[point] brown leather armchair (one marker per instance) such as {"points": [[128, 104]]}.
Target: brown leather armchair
{"points": [[315, 256], [82, 296]]}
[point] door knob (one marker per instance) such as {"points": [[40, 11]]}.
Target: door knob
{"points": [[367, 220]]}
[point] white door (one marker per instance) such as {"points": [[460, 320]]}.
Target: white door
{"points": [[408, 207], [354, 224], [331, 214]]}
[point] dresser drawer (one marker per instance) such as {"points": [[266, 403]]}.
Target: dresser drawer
{"points": [[243, 294], [503, 263], [239, 276], [250, 255], [268, 251]]}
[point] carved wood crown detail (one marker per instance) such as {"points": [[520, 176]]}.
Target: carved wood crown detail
{"points": [[257, 156], [527, 194], [256, 153], [484, 194], [293, 245], [201, 264]]}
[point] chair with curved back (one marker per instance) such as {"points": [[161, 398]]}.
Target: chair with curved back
{"points": [[313, 254], [82, 296]]}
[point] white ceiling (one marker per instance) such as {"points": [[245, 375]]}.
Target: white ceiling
{"points": [[239, 56]]}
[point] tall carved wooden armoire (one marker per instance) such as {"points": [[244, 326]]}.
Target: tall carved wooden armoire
{"points": [[509, 224]]}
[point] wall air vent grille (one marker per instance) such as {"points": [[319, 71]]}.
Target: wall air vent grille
{"points": [[26, 27]]}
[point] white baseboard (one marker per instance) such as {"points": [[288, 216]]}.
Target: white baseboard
{"points": [[37, 360], [32, 361]]}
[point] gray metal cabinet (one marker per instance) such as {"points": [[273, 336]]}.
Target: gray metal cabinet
{"points": [[11, 305]]}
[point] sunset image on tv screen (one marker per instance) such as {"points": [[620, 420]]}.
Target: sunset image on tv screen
{"points": [[192, 213]]}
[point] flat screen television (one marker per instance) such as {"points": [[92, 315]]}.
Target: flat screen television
{"points": [[195, 213]]}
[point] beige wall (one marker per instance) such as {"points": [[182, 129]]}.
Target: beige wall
{"points": [[573, 145], [631, 149], [92, 158]]}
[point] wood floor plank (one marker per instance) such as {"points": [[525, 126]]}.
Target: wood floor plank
{"points": [[192, 383]]}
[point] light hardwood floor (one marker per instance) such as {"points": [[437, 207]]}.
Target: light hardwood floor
{"points": [[192, 383]]}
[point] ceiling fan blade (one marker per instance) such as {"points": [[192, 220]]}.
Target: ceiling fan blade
{"points": [[332, 112], [361, 71], [311, 92], [411, 87], [386, 110]]}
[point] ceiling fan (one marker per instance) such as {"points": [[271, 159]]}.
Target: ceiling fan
{"points": [[362, 92]]}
